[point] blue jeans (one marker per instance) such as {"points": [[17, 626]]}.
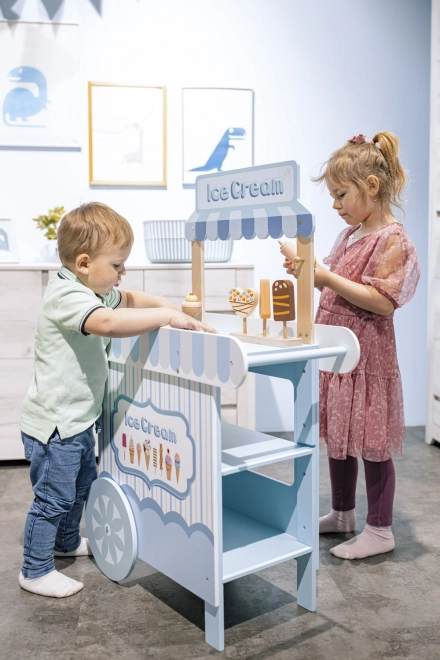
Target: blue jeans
{"points": [[61, 473]]}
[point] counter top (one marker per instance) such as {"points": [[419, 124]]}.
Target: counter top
{"points": [[144, 266]]}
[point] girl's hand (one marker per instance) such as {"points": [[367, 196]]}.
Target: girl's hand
{"points": [[321, 276], [290, 267], [185, 322]]}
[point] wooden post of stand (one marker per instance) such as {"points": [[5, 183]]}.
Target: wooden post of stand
{"points": [[198, 274], [305, 307]]}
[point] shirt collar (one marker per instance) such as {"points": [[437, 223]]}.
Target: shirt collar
{"points": [[66, 274]]}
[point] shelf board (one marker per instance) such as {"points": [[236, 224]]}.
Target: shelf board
{"points": [[243, 449], [250, 546]]}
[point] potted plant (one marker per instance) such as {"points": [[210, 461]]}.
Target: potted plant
{"points": [[48, 223]]}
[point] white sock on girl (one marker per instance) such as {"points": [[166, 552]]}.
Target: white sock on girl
{"points": [[337, 522], [372, 541]]}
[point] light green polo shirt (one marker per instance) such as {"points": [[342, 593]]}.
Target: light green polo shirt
{"points": [[70, 365]]}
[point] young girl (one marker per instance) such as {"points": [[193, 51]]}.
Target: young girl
{"points": [[373, 271]]}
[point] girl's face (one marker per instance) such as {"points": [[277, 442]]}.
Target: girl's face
{"points": [[351, 205]]}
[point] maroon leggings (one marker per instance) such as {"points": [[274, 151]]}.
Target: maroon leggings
{"points": [[380, 479]]}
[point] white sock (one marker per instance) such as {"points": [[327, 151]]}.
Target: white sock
{"points": [[337, 522], [372, 541], [82, 550], [52, 584]]}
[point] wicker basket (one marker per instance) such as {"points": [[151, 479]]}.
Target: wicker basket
{"points": [[165, 242]]}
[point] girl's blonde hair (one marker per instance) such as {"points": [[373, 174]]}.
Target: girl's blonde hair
{"points": [[354, 163], [92, 228]]}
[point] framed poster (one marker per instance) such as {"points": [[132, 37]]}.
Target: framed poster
{"points": [[127, 135], [39, 84], [218, 130], [8, 243]]}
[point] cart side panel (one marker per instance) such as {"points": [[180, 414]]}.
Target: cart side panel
{"points": [[161, 444]]}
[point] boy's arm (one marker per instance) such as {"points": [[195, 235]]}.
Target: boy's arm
{"points": [[126, 322], [141, 300]]}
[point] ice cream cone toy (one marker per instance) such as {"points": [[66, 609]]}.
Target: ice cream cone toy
{"points": [[243, 302], [283, 298], [147, 452], [155, 459], [177, 465], [192, 306], [124, 443], [139, 452], [131, 450], [265, 303], [161, 458], [168, 464], [288, 250]]}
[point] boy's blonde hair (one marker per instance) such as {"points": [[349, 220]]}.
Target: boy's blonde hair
{"points": [[354, 163], [91, 229]]}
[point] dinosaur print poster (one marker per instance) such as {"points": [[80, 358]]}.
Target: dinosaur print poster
{"points": [[217, 130], [39, 85]]}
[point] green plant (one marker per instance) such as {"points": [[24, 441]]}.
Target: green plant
{"points": [[49, 222]]}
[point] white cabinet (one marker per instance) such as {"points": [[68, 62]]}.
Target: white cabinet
{"points": [[21, 290]]}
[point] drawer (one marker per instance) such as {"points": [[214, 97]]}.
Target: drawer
{"points": [[133, 280], [228, 398], [11, 446], [20, 293], [174, 285], [16, 376], [436, 410]]}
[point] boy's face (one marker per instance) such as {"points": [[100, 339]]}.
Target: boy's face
{"points": [[104, 271]]}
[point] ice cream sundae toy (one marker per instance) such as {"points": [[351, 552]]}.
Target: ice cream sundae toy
{"points": [[192, 306]]}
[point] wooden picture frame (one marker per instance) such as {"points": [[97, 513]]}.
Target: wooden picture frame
{"points": [[122, 120]]}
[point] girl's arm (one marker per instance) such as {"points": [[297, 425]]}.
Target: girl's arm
{"points": [[127, 322], [140, 300], [361, 295]]}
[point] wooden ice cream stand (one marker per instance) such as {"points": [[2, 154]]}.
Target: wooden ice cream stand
{"points": [[176, 486]]}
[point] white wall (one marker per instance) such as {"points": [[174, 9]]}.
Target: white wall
{"points": [[321, 70]]}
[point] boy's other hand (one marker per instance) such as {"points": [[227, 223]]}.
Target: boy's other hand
{"points": [[185, 322]]}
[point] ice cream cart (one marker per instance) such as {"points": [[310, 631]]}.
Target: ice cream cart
{"points": [[176, 486]]}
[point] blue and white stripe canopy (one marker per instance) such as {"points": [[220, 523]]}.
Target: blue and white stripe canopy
{"points": [[256, 202], [251, 223]]}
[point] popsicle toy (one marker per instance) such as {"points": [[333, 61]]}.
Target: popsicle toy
{"points": [[265, 311], [283, 298], [243, 302], [124, 443]]}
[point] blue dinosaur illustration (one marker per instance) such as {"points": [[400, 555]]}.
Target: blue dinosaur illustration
{"points": [[216, 159], [20, 103], [4, 243]]}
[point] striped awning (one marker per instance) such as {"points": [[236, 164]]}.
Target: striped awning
{"points": [[248, 222]]}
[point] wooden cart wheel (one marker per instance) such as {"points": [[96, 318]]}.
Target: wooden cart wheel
{"points": [[111, 529]]}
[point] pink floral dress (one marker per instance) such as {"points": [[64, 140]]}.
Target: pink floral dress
{"points": [[361, 413]]}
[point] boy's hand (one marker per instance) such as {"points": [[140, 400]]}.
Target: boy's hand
{"points": [[185, 322]]}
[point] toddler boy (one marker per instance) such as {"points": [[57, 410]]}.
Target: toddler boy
{"points": [[81, 309]]}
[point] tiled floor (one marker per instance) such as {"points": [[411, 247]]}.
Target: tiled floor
{"points": [[384, 607]]}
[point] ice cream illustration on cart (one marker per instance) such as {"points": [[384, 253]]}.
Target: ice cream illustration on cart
{"points": [[147, 452], [139, 452], [161, 458], [155, 459], [168, 464], [131, 449], [124, 443], [177, 465]]}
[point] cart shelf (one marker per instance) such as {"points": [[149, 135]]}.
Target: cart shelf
{"points": [[250, 546], [243, 449]]}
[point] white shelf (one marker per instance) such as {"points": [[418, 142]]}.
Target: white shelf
{"points": [[243, 449], [250, 546]]}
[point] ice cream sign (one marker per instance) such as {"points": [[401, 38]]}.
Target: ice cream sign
{"points": [[153, 444], [255, 186]]}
